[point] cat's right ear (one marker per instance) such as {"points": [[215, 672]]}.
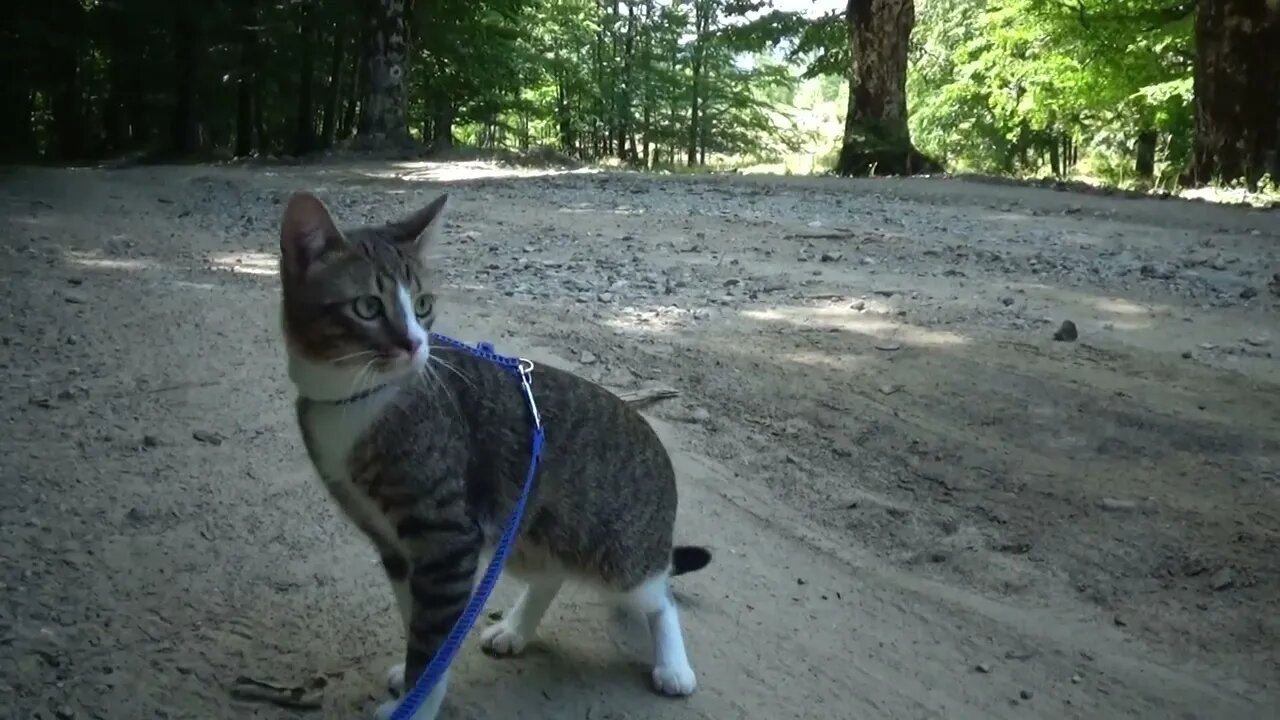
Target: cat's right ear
{"points": [[306, 233]]}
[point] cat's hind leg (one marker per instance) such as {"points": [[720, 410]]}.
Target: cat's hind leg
{"points": [[672, 674], [520, 624]]}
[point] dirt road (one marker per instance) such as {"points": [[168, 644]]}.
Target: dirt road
{"points": [[922, 505]]}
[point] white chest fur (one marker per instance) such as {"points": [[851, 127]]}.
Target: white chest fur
{"points": [[332, 432]]}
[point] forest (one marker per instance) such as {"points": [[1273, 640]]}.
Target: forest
{"points": [[1145, 93]]}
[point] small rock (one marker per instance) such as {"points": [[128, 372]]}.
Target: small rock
{"points": [[1186, 354], [587, 357], [209, 438], [1120, 622], [74, 298], [889, 389], [1076, 679], [831, 257], [1006, 301], [859, 305], [983, 668], [150, 441], [605, 297], [1157, 271], [1223, 579], [699, 415], [888, 345], [1026, 694], [1258, 341], [1248, 293], [1066, 332]]}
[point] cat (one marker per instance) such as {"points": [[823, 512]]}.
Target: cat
{"points": [[426, 447]]}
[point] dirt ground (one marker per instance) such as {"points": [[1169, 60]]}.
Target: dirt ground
{"points": [[921, 504]]}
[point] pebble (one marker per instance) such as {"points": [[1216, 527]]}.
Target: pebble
{"points": [[1066, 332], [1224, 579], [1116, 505], [984, 668], [586, 357], [1026, 694]]}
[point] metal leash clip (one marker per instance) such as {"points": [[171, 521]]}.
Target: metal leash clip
{"points": [[526, 383]]}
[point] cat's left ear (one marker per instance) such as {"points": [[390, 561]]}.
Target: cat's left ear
{"points": [[421, 228]]}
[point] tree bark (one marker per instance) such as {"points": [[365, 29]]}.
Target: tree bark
{"points": [[1237, 91], [876, 137], [384, 103]]}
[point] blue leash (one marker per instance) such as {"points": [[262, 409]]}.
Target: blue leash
{"points": [[523, 370]]}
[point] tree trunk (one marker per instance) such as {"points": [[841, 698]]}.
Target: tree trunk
{"points": [[65, 79], [1237, 91], [441, 122], [701, 22], [350, 117], [876, 137], [384, 104], [184, 131], [305, 127], [333, 101], [246, 79], [1144, 163]]}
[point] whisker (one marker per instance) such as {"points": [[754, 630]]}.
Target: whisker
{"points": [[453, 369], [453, 400], [353, 355]]}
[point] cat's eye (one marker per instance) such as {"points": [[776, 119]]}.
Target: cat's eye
{"points": [[367, 307], [422, 306]]}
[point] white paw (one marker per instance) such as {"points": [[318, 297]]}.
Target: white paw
{"points": [[675, 680], [386, 710], [501, 639], [395, 679]]}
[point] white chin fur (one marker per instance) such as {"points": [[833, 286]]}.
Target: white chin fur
{"points": [[323, 381]]}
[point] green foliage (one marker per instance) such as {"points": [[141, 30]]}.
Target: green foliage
{"points": [[1009, 87]]}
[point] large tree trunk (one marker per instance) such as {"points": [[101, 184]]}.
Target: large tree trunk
{"points": [[877, 140], [384, 105], [1237, 90]]}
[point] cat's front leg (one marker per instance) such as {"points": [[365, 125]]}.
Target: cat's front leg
{"points": [[440, 584]]}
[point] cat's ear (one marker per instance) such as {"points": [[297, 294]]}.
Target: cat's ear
{"points": [[421, 228], [306, 233]]}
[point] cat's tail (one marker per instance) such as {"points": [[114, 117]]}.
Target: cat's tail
{"points": [[689, 558]]}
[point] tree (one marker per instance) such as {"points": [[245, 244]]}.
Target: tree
{"points": [[384, 104], [1237, 91], [877, 139]]}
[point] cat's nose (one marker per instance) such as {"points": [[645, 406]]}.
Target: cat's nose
{"points": [[414, 346]]}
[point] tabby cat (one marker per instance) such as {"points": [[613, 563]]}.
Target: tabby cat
{"points": [[426, 448]]}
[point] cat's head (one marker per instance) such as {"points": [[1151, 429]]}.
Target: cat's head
{"points": [[357, 305]]}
